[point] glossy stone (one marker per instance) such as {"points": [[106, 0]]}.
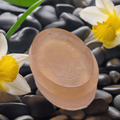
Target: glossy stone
{"points": [[25, 69], [14, 110], [113, 89], [77, 11], [98, 106], [39, 106], [24, 117], [5, 97], [99, 55], [94, 45], [104, 95], [21, 41], [60, 8], [113, 64], [39, 93], [104, 80], [2, 31], [7, 19], [72, 22], [2, 117], [73, 115], [114, 113], [116, 102], [115, 76], [46, 15], [31, 81], [82, 32], [60, 117], [5, 6], [30, 21]]}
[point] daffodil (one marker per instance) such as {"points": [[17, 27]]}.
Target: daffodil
{"points": [[105, 18], [10, 79]]}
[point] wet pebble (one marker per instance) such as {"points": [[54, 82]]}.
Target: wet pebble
{"points": [[60, 8], [97, 106], [73, 115], [104, 80], [14, 110], [60, 117], [31, 81], [115, 76], [30, 21], [46, 15], [7, 19], [114, 113], [2, 117], [82, 32], [24, 117], [21, 41], [104, 95], [116, 102], [113, 89], [39, 106], [72, 22], [99, 55], [116, 2]]}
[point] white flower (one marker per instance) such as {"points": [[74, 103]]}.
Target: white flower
{"points": [[10, 79], [105, 18]]}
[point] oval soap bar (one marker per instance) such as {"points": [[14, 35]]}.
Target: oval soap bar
{"points": [[65, 70]]}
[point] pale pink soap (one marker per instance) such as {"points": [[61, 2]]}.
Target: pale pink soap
{"points": [[64, 68]]}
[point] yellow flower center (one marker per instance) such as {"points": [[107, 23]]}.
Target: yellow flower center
{"points": [[9, 69], [106, 32]]}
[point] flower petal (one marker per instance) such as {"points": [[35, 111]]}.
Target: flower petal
{"points": [[93, 15], [18, 87], [3, 45], [90, 39], [105, 6], [20, 58], [114, 44], [117, 9]]}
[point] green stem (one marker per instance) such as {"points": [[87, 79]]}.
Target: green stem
{"points": [[22, 18]]}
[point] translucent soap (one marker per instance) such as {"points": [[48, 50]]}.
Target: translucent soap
{"points": [[64, 68]]}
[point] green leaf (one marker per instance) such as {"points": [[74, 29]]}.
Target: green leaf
{"points": [[24, 3], [22, 18]]}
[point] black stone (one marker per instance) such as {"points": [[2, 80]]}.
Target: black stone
{"points": [[72, 22], [116, 2], [104, 80], [113, 89], [7, 20], [99, 55], [13, 110], [2, 117], [21, 41], [30, 21], [115, 76], [39, 106], [31, 81], [82, 32], [46, 15], [97, 106], [25, 69], [116, 102], [2, 31], [60, 8], [94, 45], [5, 6], [59, 24], [111, 53], [77, 11], [113, 64], [104, 95], [114, 113], [24, 117]]}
